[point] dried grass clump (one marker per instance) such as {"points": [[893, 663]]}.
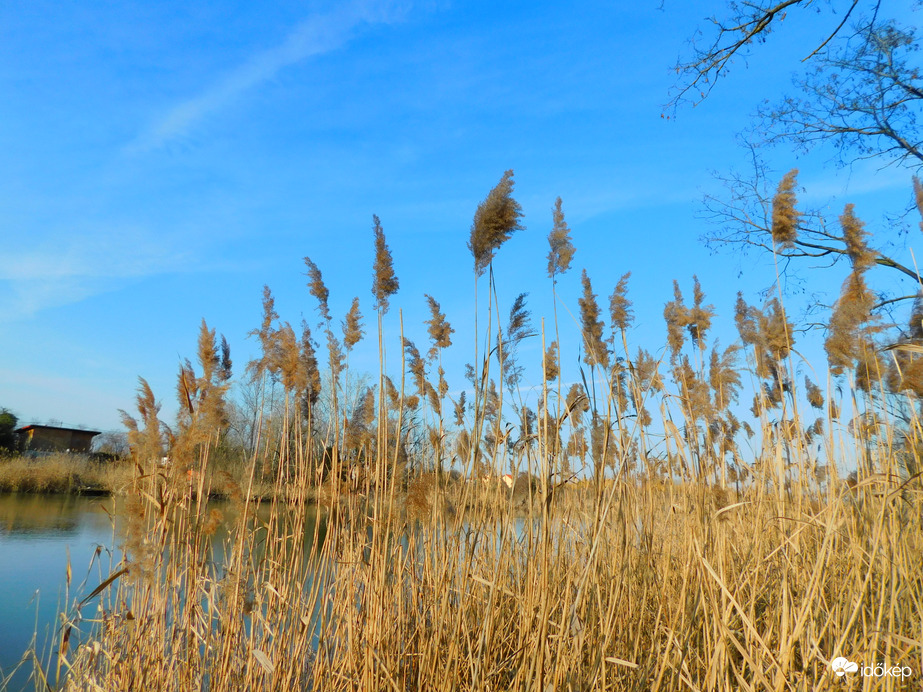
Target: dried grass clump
{"points": [[63, 473]]}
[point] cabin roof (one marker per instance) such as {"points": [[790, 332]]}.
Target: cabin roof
{"points": [[26, 428]]}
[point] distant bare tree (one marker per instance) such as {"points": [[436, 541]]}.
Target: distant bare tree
{"points": [[112, 442], [861, 89]]}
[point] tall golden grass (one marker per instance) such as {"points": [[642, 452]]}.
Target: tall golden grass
{"points": [[63, 473], [643, 552]]}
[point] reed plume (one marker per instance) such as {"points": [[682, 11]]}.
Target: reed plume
{"points": [[495, 221], [257, 367], [814, 394], [699, 316], [559, 239], [384, 281], [145, 440], [550, 369], [620, 310], [676, 315], [724, 376], [318, 289], [460, 410], [312, 388], [439, 329], [785, 216], [225, 371], [856, 238], [289, 362], [592, 327], [518, 328], [577, 400], [906, 370], [768, 331], [847, 332], [335, 357], [358, 430], [352, 326]]}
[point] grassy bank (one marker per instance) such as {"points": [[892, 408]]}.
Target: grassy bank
{"points": [[63, 473]]}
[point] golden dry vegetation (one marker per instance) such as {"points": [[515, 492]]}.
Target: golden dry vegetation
{"points": [[659, 539]]}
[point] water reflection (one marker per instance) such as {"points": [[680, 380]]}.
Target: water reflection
{"points": [[39, 532]]}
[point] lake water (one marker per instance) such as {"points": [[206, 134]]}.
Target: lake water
{"points": [[37, 533]]}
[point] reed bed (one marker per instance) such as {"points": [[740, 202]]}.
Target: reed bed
{"points": [[625, 552], [63, 473]]}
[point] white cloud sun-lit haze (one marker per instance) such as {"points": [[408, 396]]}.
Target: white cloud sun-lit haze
{"points": [[161, 162]]}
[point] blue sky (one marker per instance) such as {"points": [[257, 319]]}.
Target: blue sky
{"points": [[160, 162]]}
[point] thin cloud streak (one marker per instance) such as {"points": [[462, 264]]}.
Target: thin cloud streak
{"points": [[53, 275], [315, 36]]}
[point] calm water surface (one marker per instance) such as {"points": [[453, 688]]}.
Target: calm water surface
{"points": [[37, 533]]}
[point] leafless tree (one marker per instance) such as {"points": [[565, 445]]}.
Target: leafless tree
{"points": [[861, 89]]}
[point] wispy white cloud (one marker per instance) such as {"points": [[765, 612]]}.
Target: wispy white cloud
{"points": [[56, 273], [316, 35]]}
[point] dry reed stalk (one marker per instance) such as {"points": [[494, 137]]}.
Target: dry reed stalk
{"points": [[699, 571]]}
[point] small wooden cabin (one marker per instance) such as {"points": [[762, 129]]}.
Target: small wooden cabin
{"points": [[50, 438]]}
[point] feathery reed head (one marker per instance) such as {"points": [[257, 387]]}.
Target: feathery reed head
{"points": [[440, 331], [288, 360], [676, 315], [226, 363], [915, 325], [459, 410], [784, 214], [550, 368], [577, 400], [723, 376], [619, 306], [562, 247], [918, 197], [495, 220], [352, 326], [384, 281], [208, 351], [518, 328], [815, 396], [699, 316], [856, 238], [846, 330], [256, 368], [311, 370], [596, 351], [335, 356], [317, 288]]}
